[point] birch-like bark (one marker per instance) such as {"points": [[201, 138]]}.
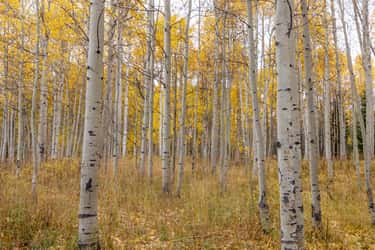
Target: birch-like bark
{"points": [[126, 108], [76, 134], [327, 100], [91, 148], [107, 110], [342, 127], [289, 140], [356, 113], [369, 149], [259, 139], [117, 104], [11, 136], [34, 178], [57, 115], [166, 89], [42, 133], [181, 140], [311, 116], [215, 102], [151, 44], [20, 98]]}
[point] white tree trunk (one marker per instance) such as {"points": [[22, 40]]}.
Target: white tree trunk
{"points": [[327, 101], [215, 102], [20, 138], [288, 142], [151, 44], [181, 140], [107, 111], [342, 127], [91, 147], [259, 138], [117, 104], [166, 107], [42, 135], [34, 178], [57, 115], [369, 149], [126, 108], [356, 113], [312, 145]]}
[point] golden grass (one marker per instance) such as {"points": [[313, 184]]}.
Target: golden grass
{"points": [[134, 214]]}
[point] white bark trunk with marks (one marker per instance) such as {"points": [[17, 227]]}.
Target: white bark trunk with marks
{"points": [[166, 102], [313, 155], [288, 131], [259, 138], [91, 147]]}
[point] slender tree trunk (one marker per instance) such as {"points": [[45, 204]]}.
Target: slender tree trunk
{"points": [[288, 142], [215, 103], [260, 160], [342, 128], [327, 101], [181, 144], [117, 104], [34, 179], [58, 110], [107, 111], [42, 135], [151, 44], [20, 99], [166, 89], [369, 149], [311, 116], [91, 148], [126, 108], [356, 112], [77, 133]]}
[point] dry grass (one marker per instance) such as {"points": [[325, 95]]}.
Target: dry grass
{"points": [[133, 214]]}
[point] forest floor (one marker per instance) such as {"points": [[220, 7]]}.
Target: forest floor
{"points": [[134, 214]]}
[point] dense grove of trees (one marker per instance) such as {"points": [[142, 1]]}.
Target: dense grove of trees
{"points": [[201, 84]]}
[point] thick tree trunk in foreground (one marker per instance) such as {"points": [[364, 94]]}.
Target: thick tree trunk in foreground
{"points": [[91, 147], [288, 138]]}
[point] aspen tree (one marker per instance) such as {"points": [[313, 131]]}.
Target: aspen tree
{"points": [[327, 100], [166, 94], [42, 133], [356, 113], [91, 148], [34, 178], [311, 116], [150, 68], [181, 140], [288, 138], [259, 139], [118, 91], [215, 102], [367, 66], [342, 126], [20, 131], [126, 108]]}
